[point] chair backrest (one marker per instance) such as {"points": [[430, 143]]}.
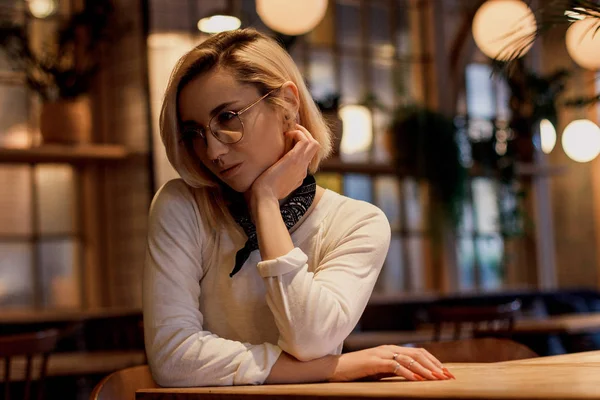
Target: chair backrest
{"points": [[31, 346], [482, 350], [494, 320], [122, 384]]}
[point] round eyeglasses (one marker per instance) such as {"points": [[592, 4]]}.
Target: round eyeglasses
{"points": [[227, 126]]}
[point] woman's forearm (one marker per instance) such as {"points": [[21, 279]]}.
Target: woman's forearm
{"points": [[273, 237], [287, 369]]}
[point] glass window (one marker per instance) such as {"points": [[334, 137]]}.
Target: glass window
{"points": [[391, 278], [489, 252], [379, 28], [486, 205], [416, 261], [16, 274], [352, 90], [348, 28], [403, 40], [411, 194], [59, 265], [383, 83], [56, 191], [322, 76], [481, 102], [16, 203], [358, 187], [466, 263], [387, 194]]}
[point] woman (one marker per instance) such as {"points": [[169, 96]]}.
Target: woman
{"points": [[241, 129]]}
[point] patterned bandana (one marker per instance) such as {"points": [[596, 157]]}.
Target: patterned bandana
{"points": [[291, 211]]}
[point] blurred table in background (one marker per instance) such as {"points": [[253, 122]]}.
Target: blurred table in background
{"points": [[558, 324]]}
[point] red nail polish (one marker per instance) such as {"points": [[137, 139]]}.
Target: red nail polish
{"points": [[438, 376], [446, 372], [418, 377]]}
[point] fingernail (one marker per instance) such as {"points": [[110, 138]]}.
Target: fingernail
{"points": [[418, 377], [438, 376], [448, 373]]}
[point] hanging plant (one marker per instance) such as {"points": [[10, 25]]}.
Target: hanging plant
{"points": [[425, 146]]}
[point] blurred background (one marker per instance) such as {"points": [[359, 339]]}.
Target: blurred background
{"points": [[472, 124]]}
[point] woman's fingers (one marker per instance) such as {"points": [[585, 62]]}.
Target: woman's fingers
{"points": [[437, 363], [424, 363], [430, 358], [304, 145], [397, 369], [413, 365]]}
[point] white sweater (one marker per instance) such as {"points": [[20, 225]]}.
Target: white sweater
{"points": [[203, 328]]}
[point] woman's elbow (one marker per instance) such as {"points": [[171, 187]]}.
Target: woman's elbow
{"points": [[305, 350], [164, 377]]}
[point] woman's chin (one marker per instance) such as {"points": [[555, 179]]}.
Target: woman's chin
{"points": [[239, 186]]}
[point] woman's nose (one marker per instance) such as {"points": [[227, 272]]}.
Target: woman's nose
{"points": [[215, 148]]}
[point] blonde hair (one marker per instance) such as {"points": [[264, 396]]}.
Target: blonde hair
{"points": [[252, 58]]}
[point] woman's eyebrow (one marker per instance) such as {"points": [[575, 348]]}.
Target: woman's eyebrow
{"points": [[220, 108]]}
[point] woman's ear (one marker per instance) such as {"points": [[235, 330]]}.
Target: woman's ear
{"points": [[289, 91]]}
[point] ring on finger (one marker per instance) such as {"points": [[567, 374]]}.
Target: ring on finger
{"points": [[395, 355], [411, 363], [397, 367]]}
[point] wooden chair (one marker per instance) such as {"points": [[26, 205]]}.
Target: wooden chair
{"points": [[122, 384], [32, 346], [495, 320], [480, 350]]}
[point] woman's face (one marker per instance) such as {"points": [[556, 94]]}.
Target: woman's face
{"points": [[239, 164]]}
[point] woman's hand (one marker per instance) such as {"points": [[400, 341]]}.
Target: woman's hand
{"points": [[283, 177], [385, 361]]}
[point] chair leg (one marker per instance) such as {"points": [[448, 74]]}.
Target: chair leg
{"points": [[457, 328], [28, 368], [7, 378]]}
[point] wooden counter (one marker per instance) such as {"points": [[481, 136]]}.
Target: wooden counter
{"points": [[554, 378]]}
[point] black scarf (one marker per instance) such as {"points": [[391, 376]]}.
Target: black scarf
{"points": [[291, 211]]}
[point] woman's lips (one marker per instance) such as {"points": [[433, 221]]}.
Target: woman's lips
{"points": [[229, 172]]}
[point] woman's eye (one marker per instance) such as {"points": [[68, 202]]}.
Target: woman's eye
{"points": [[191, 134], [225, 117]]}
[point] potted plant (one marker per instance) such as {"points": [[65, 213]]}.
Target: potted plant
{"points": [[62, 73]]}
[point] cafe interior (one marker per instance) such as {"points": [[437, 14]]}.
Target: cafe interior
{"points": [[472, 124]]}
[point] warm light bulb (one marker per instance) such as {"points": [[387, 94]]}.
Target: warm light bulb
{"points": [[547, 136], [358, 129], [218, 23], [581, 140], [291, 17], [42, 8], [503, 27], [583, 42]]}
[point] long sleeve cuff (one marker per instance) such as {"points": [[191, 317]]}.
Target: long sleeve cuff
{"points": [[282, 265]]}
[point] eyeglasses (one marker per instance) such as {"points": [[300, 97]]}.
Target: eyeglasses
{"points": [[227, 126]]}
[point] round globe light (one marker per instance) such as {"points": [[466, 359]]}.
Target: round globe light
{"points": [[42, 8], [583, 43], [547, 136], [581, 140], [291, 17], [504, 29], [218, 23]]}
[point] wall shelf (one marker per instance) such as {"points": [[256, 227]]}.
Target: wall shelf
{"points": [[64, 153]]}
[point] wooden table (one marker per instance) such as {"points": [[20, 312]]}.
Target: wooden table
{"points": [[559, 377], [20, 316]]}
